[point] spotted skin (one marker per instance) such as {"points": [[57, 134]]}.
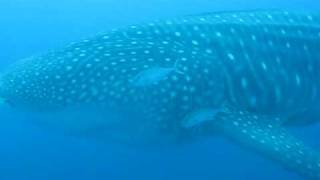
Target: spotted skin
{"points": [[262, 64]]}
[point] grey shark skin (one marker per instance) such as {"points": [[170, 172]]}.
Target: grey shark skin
{"points": [[245, 75]]}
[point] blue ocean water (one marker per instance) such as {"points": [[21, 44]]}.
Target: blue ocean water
{"points": [[30, 152]]}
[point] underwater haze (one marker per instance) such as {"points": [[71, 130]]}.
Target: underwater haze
{"points": [[32, 152]]}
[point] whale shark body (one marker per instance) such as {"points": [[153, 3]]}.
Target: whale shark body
{"points": [[245, 75]]}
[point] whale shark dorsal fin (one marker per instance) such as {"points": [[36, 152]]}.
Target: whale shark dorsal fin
{"points": [[256, 132]]}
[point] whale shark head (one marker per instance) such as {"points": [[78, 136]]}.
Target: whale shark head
{"points": [[19, 87]]}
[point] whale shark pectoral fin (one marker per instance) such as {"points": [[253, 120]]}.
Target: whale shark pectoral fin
{"points": [[255, 132]]}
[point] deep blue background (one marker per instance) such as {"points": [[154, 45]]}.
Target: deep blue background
{"points": [[28, 152]]}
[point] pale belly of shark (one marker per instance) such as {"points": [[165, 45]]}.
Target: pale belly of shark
{"points": [[242, 74]]}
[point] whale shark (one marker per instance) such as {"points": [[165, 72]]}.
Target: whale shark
{"points": [[248, 76]]}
